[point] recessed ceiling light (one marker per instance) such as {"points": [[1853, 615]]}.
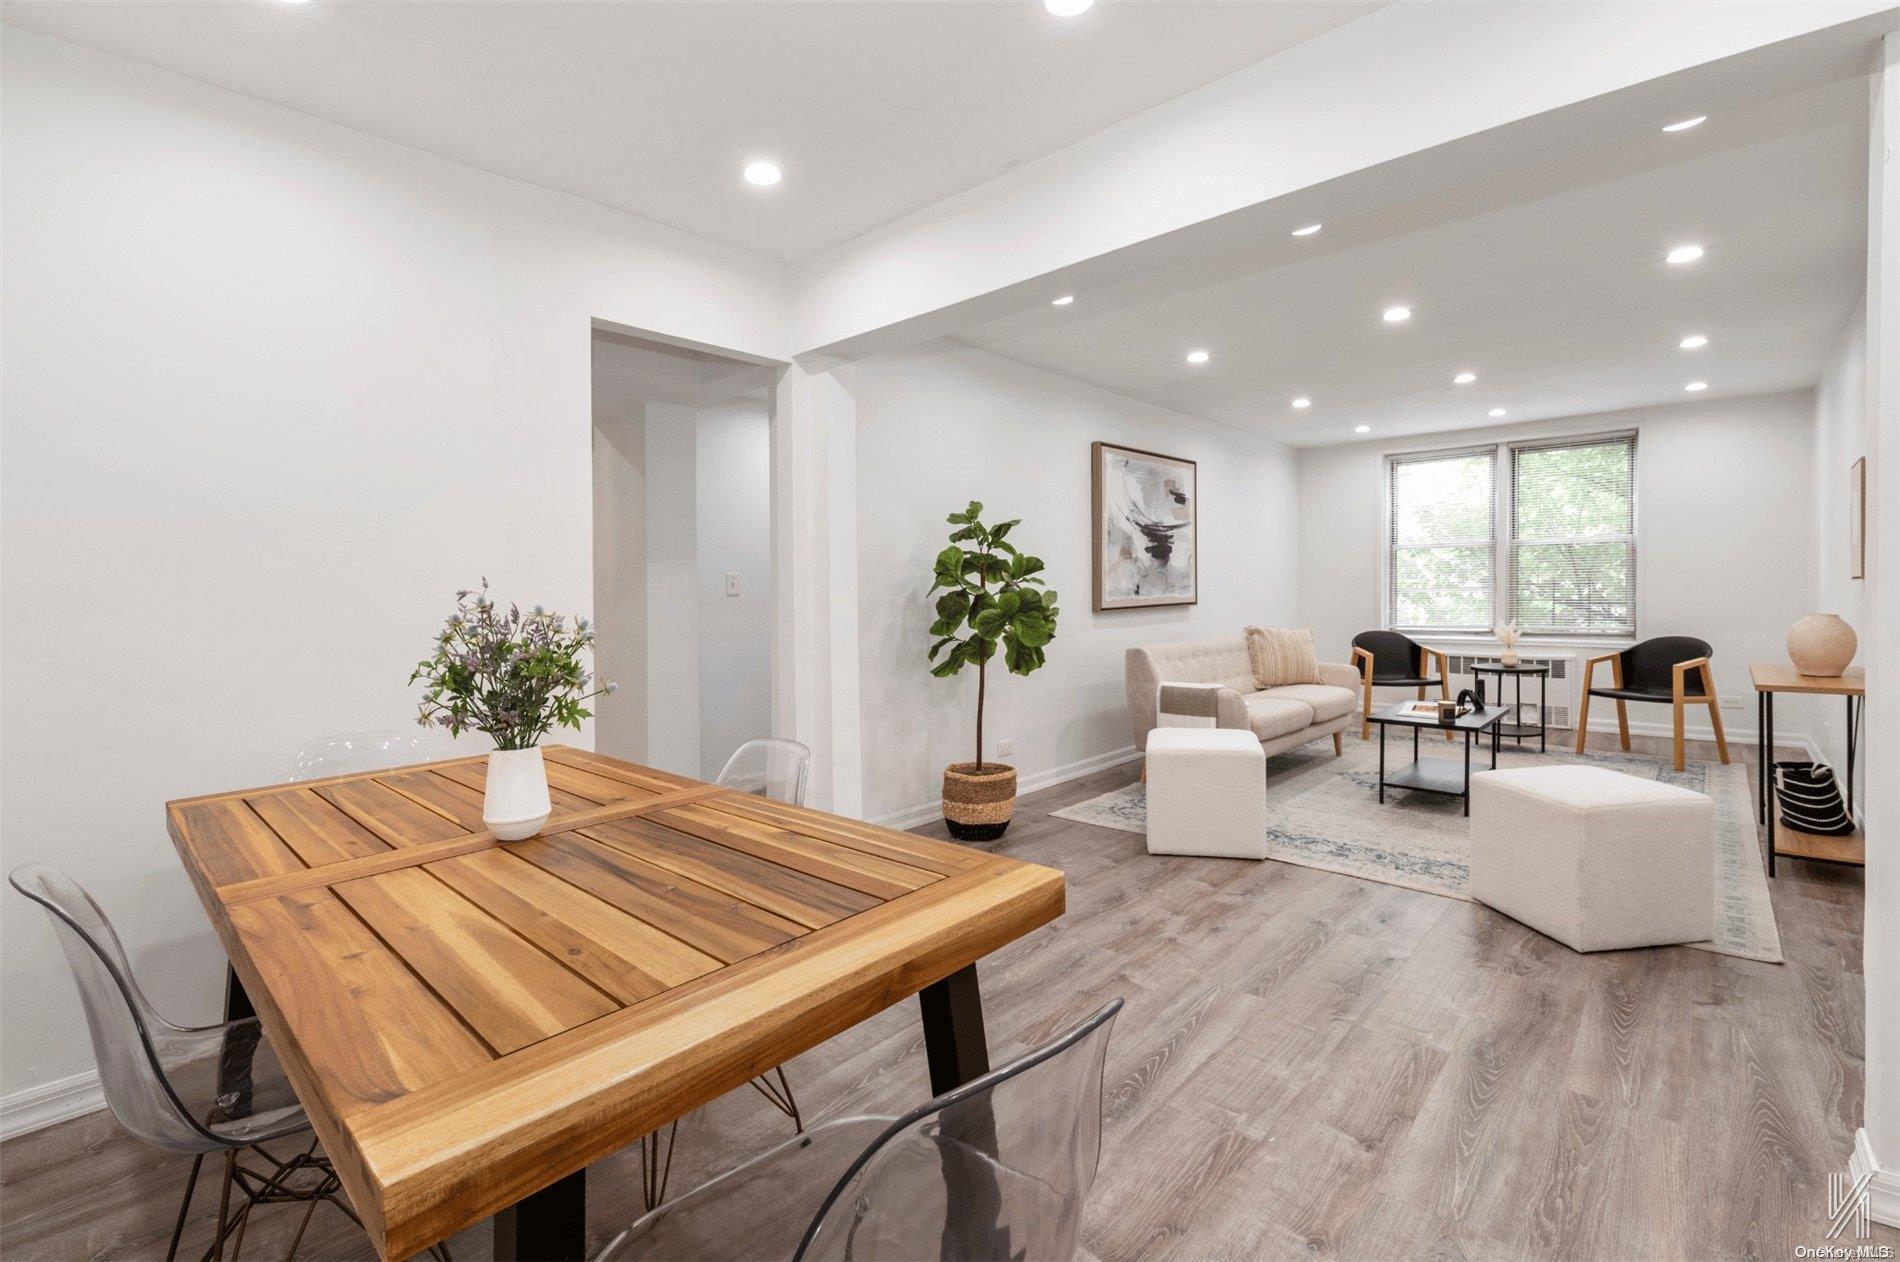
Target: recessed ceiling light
{"points": [[1696, 387], [1687, 123], [1397, 315], [1684, 254], [1197, 357], [1495, 412], [1308, 230], [1464, 378], [1694, 342], [1362, 429], [1302, 403], [1067, 8], [763, 174], [1063, 301]]}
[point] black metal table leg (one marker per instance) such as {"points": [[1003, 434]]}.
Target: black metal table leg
{"points": [[958, 1053], [1543, 713], [1767, 769], [236, 1053], [1381, 727], [1468, 767], [1517, 711], [1761, 757], [953, 1030], [547, 1226], [1852, 713]]}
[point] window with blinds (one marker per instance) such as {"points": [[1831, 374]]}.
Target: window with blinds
{"points": [[1441, 564], [1573, 537]]}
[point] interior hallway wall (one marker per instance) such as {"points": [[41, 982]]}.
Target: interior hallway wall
{"points": [[1724, 530], [734, 510], [944, 424], [275, 389]]}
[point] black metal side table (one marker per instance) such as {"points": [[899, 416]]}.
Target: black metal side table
{"points": [[1520, 731]]}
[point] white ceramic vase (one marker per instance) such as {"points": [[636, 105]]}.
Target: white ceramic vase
{"points": [[1822, 644], [515, 803]]}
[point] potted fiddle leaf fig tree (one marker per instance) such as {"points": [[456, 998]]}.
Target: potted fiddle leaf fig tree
{"points": [[992, 598]]}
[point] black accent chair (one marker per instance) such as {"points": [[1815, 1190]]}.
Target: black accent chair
{"points": [[1387, 659], [1671, 670]]}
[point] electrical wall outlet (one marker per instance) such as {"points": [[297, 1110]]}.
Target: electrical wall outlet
{"points": [[1729, 703], [1005, 748], [732, 583]]}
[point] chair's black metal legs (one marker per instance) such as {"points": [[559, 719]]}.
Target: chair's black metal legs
{"points": [[780, 1094], [259, 1188], [656, 1164], [184, 1207]]}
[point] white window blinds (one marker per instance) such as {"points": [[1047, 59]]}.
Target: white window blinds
{"points": [[1573, 537], [1441, 512]]}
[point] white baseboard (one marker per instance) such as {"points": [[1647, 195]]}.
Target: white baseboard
{"points": [[1738, 737], [35, 1108], [1883, 1191], [912, 816]]}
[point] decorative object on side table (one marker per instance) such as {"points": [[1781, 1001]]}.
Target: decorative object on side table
{"points": [[1145, 510], [514, 677], [1822, 644], [1508, 635], [991, 596]]}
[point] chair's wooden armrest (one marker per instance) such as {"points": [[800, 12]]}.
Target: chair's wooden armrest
{"points": [[1601, 657], [1680, 671], [1363, 660]]}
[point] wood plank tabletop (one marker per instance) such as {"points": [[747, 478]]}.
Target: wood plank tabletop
{"points": [[467, 1021], [1783, 677]]}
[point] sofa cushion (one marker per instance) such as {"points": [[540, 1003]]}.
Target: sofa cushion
{"points": [[1325, 700], [1279, 657], [1270, 716]]}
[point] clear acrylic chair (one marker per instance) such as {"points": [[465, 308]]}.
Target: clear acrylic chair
{"points": [[353, 752], [187, 1089], [770, 767], [997, 1168]]}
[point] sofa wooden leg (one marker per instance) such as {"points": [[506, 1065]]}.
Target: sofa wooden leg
{"points": [[1144, 771], [1339, 744]]}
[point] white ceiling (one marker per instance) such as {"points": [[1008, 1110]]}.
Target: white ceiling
{"points": [[874, 109], [1549, 284]]}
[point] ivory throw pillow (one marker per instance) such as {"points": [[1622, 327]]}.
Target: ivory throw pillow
{"points": [[1280, 657]]}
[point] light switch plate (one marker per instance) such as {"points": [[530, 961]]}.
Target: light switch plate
{"points": [[732, 583]]}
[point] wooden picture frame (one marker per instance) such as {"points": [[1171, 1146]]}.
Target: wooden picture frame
{"points": [[1144, 523], [1857, 519]]}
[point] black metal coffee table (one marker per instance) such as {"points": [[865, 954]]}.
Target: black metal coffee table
{"points": [[1437, 775], [1514, 729]]}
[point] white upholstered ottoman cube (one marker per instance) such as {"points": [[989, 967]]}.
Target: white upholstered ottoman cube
{"points": [[1207, 792], [1595, 859]]}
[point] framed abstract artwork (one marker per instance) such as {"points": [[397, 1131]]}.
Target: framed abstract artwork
{"points": [[1857, 519], [1145, 509]]}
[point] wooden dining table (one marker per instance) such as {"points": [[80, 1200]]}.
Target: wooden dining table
{"points": [[470, 1022]]}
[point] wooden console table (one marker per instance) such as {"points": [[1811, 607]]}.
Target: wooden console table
{"points": [[1771, 678]]}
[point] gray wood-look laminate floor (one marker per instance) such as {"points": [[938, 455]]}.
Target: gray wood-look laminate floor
{"points": [[1308, 1065]]}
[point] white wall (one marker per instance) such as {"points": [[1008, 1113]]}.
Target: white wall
{"points": [[1841, 436], [945, 424], [672, 587], [620, 582], [1724, 490], [274, 390], [735, 537]]}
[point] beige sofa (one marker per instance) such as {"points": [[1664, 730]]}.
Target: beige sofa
{"points": [[1282, 718]]}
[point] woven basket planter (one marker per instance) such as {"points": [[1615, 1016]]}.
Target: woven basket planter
{"points": [[976, 806]]}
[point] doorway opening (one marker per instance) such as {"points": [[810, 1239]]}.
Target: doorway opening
{"points": [[682, 454]]}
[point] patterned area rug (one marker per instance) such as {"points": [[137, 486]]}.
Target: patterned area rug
{"points": [[1324, 812]]}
